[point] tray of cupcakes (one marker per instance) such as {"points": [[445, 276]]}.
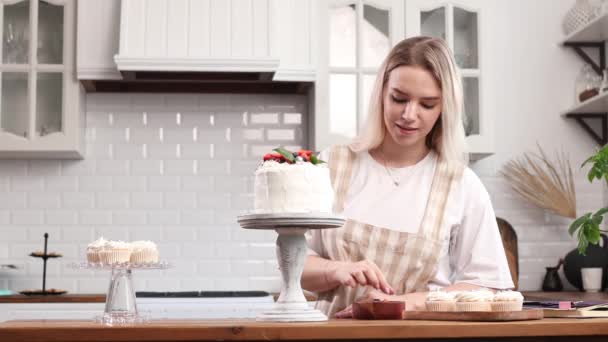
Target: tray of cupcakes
{"points": [[110, 254], [477, 305]]}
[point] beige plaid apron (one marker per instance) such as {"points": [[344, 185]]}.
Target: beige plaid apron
{"points": [[407, 260]]}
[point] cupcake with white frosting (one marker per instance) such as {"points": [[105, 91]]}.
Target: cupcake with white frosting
{"points": [[478, 300], [115, 252], [507, 301], [94, 249], [440, 301], [143, 252]]}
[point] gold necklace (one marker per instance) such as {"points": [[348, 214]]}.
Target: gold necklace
{"points": [[395, 181]]}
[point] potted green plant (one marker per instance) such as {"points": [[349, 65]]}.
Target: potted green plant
{"points": [[587, 230], [587, 227]]}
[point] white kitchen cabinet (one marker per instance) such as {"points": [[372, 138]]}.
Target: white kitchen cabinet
{"points": [[354, 38], [98, 32], [461, 24], [41, 114]]}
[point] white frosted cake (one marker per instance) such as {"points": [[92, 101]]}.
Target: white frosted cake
{"points": [[297, 186]]}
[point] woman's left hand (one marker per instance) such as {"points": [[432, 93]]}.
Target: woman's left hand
{"points": [[370, 296]]}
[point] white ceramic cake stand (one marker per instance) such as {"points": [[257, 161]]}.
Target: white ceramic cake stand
{"points": [[291, 254]]}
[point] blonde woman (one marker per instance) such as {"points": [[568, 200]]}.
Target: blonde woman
{"points": [[417, 218]]}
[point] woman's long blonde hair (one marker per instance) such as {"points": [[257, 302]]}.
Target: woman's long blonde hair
{"points": [[447, 137]]}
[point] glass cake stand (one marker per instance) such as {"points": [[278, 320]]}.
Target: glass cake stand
{"points": [[121, 307], [291, 254]]}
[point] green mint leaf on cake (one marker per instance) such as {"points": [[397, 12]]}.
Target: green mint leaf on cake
{"points": [[286, 154], [315, 160]]}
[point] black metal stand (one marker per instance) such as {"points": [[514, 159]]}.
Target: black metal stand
{"points": [[44, 256], [581, 117]]}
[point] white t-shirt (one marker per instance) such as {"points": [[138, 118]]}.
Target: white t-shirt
{"points": [[474, 254]]}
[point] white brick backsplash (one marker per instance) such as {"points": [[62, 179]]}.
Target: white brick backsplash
{"points": [[231, 283], [146, 167], [162, 119], [13, 200], [244, 167], [180, 269], [12, 167], [202, 249], [281, 134], [112, 200], [196, 217], [128, 119], [112, 168], [178, 135], [232, 250], [64, 217], [42, 200], [230, 184], [4, 251], [270, 284], [128, 151], [62, 183], [227, 217], [146, 200], [196, 284], [211, 136], [95, 183], [162, 151], [180, 200], [195, 151], [77, 200], [249, 268], [183, 233], [265, 251], [242, 202], [27, 217], [163, 217], [145, 135], [217, 233], [228, 119], [95, 217], [13, 233], [77, 167], [183, 101], [44, 168], [212, 167], [4, 184], [195, 119], [213, 201], [292, 118], [264, 119], [129, 183], [127, 217], [4, 217], [26, 183], [179, 167], [148, 101], [77, 233], [113, 232], [146, 233], [196, 183], [215, 268], [163, 183]]}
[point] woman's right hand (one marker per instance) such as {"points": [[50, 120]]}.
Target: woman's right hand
{"points": [[359, 273]]}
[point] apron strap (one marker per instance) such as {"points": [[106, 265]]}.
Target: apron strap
{"points": [[340, 170]]}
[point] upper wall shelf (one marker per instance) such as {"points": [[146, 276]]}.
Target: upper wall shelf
{"points": [[597, 104], [594, 31]]}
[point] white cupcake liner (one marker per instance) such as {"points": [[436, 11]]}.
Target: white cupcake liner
{"points": [[93, 256], [473, 306], [144, 256], [115, 256], [507, 306], [440, 306]]}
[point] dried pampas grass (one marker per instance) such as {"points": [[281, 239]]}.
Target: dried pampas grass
{"points": [[542, 183]]}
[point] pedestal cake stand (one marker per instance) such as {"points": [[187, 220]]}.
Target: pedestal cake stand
{"points": [[291, 254], [121, 307]]}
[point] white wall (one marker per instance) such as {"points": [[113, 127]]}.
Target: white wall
{"points": [[529, 82], [146, 176], [120, 193]]}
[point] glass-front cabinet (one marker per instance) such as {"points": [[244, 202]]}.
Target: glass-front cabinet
{"points": [[460, 24], [354, 38], [40, 99]]}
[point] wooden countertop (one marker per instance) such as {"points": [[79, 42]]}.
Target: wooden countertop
{"points": [[249, 330]]}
